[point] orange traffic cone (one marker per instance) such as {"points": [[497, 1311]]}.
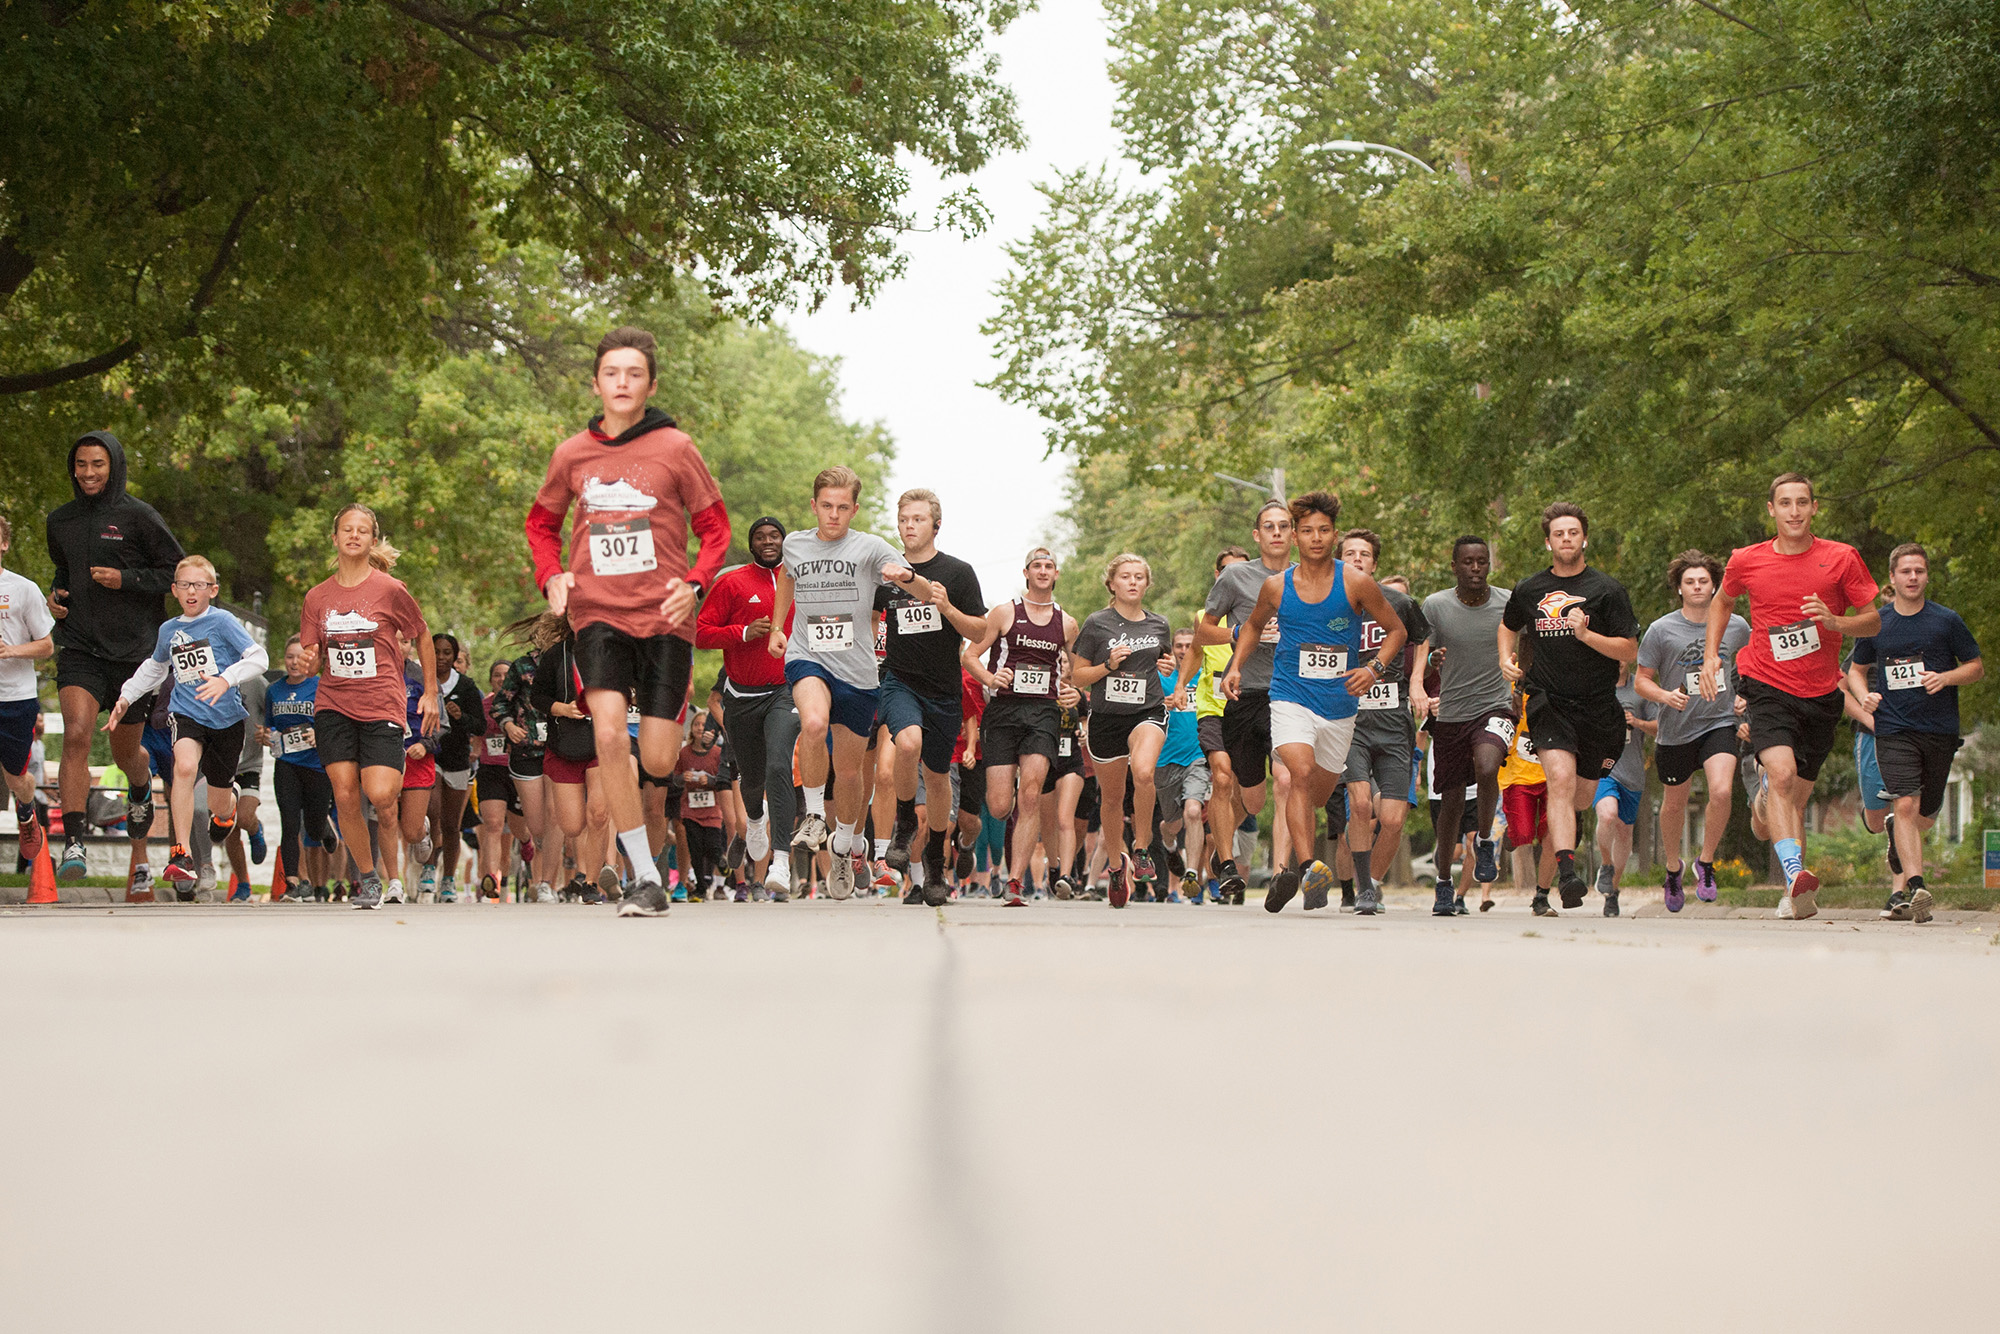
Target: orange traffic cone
{"points": [[277, 874], [42, 877]]}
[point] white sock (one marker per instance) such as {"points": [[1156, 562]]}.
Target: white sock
{"points": [[881, 848], [757, 837], [843, 839], [816, 800], [781, 870], [641, 852]]}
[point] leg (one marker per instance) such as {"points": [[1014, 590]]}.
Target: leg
{"points": [[1390, 812], [79, 711], [383, 789], [1720, 771], [1028, 824], [450, 814], [1146, 743], [850, 791], [1673, 815], [1566, 797], [1451, 813], [1911, 826], [493, 840], [187, 767], [1296, 786], [1111, 807]]}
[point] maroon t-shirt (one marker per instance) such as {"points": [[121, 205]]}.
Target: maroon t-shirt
{"points": [[700, 804], [360, 632]]}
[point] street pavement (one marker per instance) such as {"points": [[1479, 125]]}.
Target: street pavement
{"points": [[860, 1116]]}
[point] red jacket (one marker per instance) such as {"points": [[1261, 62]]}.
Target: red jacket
{"points": [[738, 598]]}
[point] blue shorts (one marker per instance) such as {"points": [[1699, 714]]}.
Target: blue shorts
{"points": [[17, 733], [899, 708], [159, 743], [853, 708], [1867, 773], [1628, 800]]}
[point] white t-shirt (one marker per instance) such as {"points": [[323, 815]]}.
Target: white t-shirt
{"points": [[24, 618]]}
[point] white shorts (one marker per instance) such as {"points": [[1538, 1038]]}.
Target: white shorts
{"points": [[456, 779], [1296, 725]]}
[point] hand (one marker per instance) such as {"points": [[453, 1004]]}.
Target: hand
{"points": [[1181, 700], [1629, 719], [1711, 675], [1677, 700], [678, 605], [1578, 621], [1816, 608], [451, 707], [211, 689], [1420, 703], [414, 751], [1003, 678], [1933, 682], [263, 736], [1742, 706], [1743, 732], [1510, 667], [971, 753], [757, 629], [515, 732], [898, 574], [427, 713], [1871, 700], [556, 590], [564, 709], [775, 646], [1362, 679], [312, 658], [58, 603], [107, 575], [939, 597], [1117, 656], [1232, 681], [1067, 695], [117, 712]]}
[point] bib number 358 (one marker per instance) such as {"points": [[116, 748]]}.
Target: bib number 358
{"points": [[1321, 662]]}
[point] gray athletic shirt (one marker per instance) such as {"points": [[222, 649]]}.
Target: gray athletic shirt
{"points": [[1471, 684], [1232, 599], [1630, 771], [833, 596], [1672, 648]]}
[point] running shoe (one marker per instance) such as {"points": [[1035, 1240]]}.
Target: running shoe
{"points": [[139, 814], [1347, 898], [421, 850], [915, 898], [1231, 884], [1785, 911], [447, 894], [1014, 899], [679, 893], [778, 879], [1804, 898], [74, 861], [1368, 902], [1895, 858], [1458, 908], [734, 857], [1611, 904], [367, 894], [1064, 889], [1897, 909], [840, 876], [1704, 881], [646, 899], [1190, 886], [886, 880], [1574, 891], [141, 882], [966, 863], [573, 888], [1607, 879], [1317, 883], [489, 887], [31, 838], [394, 893], [257, 845], [1485, 861], [742, 894], [898, 855], [811, 834], [1142, 866], [292, 892], [1540, 905], [1120, 892], [1676, 900], [180, 866], [607, 883], [1283, 886], [427, 878], [204, 884], [1176, 864], [1441, 905], [1920, 905], [1486, 905], [544, 892]]}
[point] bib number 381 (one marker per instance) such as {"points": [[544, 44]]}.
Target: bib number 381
{"points": [[622, 548], [1800, 639]]}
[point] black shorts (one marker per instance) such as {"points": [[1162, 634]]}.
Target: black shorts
{"points": [[1679, 763], [524, 764], [1090, 806], [1592, 729], [1208, 733], [1917, 764], [653, 673], [1111, 733], [249, 780], [1014, 727], [221, 747], [103, 678], [496, 784], [1246, 735], [340, 739], [1455, 742], [1780, 718], [1065, 765]]}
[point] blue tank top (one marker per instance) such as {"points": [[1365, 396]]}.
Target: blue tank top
{"points": [[1317, 642]]}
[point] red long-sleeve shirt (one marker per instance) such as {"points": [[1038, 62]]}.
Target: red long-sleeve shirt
{"points": [[736, 599]]}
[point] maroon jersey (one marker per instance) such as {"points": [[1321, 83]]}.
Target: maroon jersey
{"points": [[1033, 652]]}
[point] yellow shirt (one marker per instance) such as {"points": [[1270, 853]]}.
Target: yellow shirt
{"points": [[1522, 765], [1208, 701]]}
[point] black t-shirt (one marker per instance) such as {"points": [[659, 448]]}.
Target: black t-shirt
{"points": [[923, 646], [1560, 664]]}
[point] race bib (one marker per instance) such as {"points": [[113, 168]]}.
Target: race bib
{"points": [[1065, 747], [1124, 690], [1322, 662], [918, 619], [1383, 696], [701, 799], [1502, 728], [1800, 639], [622, 548], [1031, 680], [351, 661], [830, 634], [1694, 682], [496, 747], [631, 715], [538, 730], [1903, 673], [1524, 747], [294, 742], [193, 661]]}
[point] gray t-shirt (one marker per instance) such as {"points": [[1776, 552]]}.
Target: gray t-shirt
{"points": [[1384, 713], [253, 750], [1672, 648], [833, 599], [1630, 771], [1232, 599], [1470, 684], [1134, 684]]}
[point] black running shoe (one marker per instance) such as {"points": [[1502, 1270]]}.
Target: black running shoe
{"points": [[1441, 906], [1541, 904], [1573, 888], [914, 899], [965, 866], [1611, 904], [1347, 899], [1897, 909], [1458, 908], [1176, 864], [1230, 884], [734, 857], [648, 898], [74, 860], [936, 889], [1283, 886]]}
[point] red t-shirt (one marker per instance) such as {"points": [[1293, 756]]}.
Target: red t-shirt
{"points": [[363, 630], [972, 704], [700, 804], [630, 532], [1778, 586]]}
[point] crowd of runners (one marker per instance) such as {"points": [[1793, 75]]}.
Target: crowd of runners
{"points": [[877, 728]]}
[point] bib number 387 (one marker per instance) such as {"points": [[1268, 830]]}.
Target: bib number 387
{"points": [[622, 548], [1124, 690], [1800, 639]]}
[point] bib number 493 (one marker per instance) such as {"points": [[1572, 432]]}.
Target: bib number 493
{"points": [[351, 662]]}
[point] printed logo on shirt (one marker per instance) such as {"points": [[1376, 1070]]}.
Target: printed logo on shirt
{"points": [[1555, 608], [348, 623], [616, 494], [1338, 624], [111, 534], [756, 598]]}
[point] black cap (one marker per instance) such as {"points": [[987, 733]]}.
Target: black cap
{"points": [[761, 522]]}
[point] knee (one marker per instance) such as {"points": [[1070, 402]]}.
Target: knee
{"points": [[909, 742], [813, 726], [1142, 776]]}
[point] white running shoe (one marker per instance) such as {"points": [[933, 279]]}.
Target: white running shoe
{"points": [[812, 833], [394, 892], [420, 852], [544, 892], [778, 878], [840, 876], [757, 837]]}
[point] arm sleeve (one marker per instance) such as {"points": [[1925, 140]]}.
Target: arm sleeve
{"points": [[161, 554], [309, 635], [1218, 600], [1650, 645], [58, 553], [1416, 625], [1857, 585], [1515, 614], [36, 615], [251, 661], [1626, 625], [414, 626], [1732, 575], [151, 674], [711, 527], [544, 529], [1087, 642], [542, 692], [1963, 646], [714, 625], [1864, 650]]}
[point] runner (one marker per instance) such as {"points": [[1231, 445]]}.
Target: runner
{"points": [[1876, 806], [298, 780], [1238, 776], [763, 721], [25, 639], [1181, 780], [1064, 787], [462, 722], [114, 563], [1789, 672], [1020, 732], [919, 702], [1209, 706], [832, 573], [419, 773], [1472, 715], [705, 773], [248, 835], [495, 792], [1318, 677], [1620, 794], [207, 652], [1921, 655], [570, 768], [1524, 802], [639, 485], [356, 622], [1577, 625], [1695, 733], [1382, 757]]}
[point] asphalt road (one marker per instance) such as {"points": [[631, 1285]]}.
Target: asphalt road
{"points": [[832, 1117]]}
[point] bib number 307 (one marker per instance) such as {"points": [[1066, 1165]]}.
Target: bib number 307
{"points": [[622, 548], [1800, 639]]}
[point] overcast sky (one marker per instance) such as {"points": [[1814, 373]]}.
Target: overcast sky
{"points": [[914, 358]]}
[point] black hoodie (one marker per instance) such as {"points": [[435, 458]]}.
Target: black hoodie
{"points": [[111, 528]]}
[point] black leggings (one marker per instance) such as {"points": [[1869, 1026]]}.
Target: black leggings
{"points": [[705, 848], [762, 731], [305, 798]]}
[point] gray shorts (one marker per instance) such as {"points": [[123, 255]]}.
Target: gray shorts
{"points": [[1174, 784], [1384, 761]]}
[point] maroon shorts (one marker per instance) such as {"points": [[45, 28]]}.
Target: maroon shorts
{"points": [[1454, 743], [560, 770], [1527, 809], [419, 774]]}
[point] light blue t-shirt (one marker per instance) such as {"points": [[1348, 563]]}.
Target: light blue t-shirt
{"points": [[1183, 747], [196, 647]]}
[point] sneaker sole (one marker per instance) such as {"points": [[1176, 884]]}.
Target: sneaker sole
{"points": [[632, 908], [1314, 890], [1920, 906], [1805, 902]]}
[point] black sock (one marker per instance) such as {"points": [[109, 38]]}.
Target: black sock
{"points": [[906, 813], [1347, 886], [1565, 861], [1913, 884]]}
